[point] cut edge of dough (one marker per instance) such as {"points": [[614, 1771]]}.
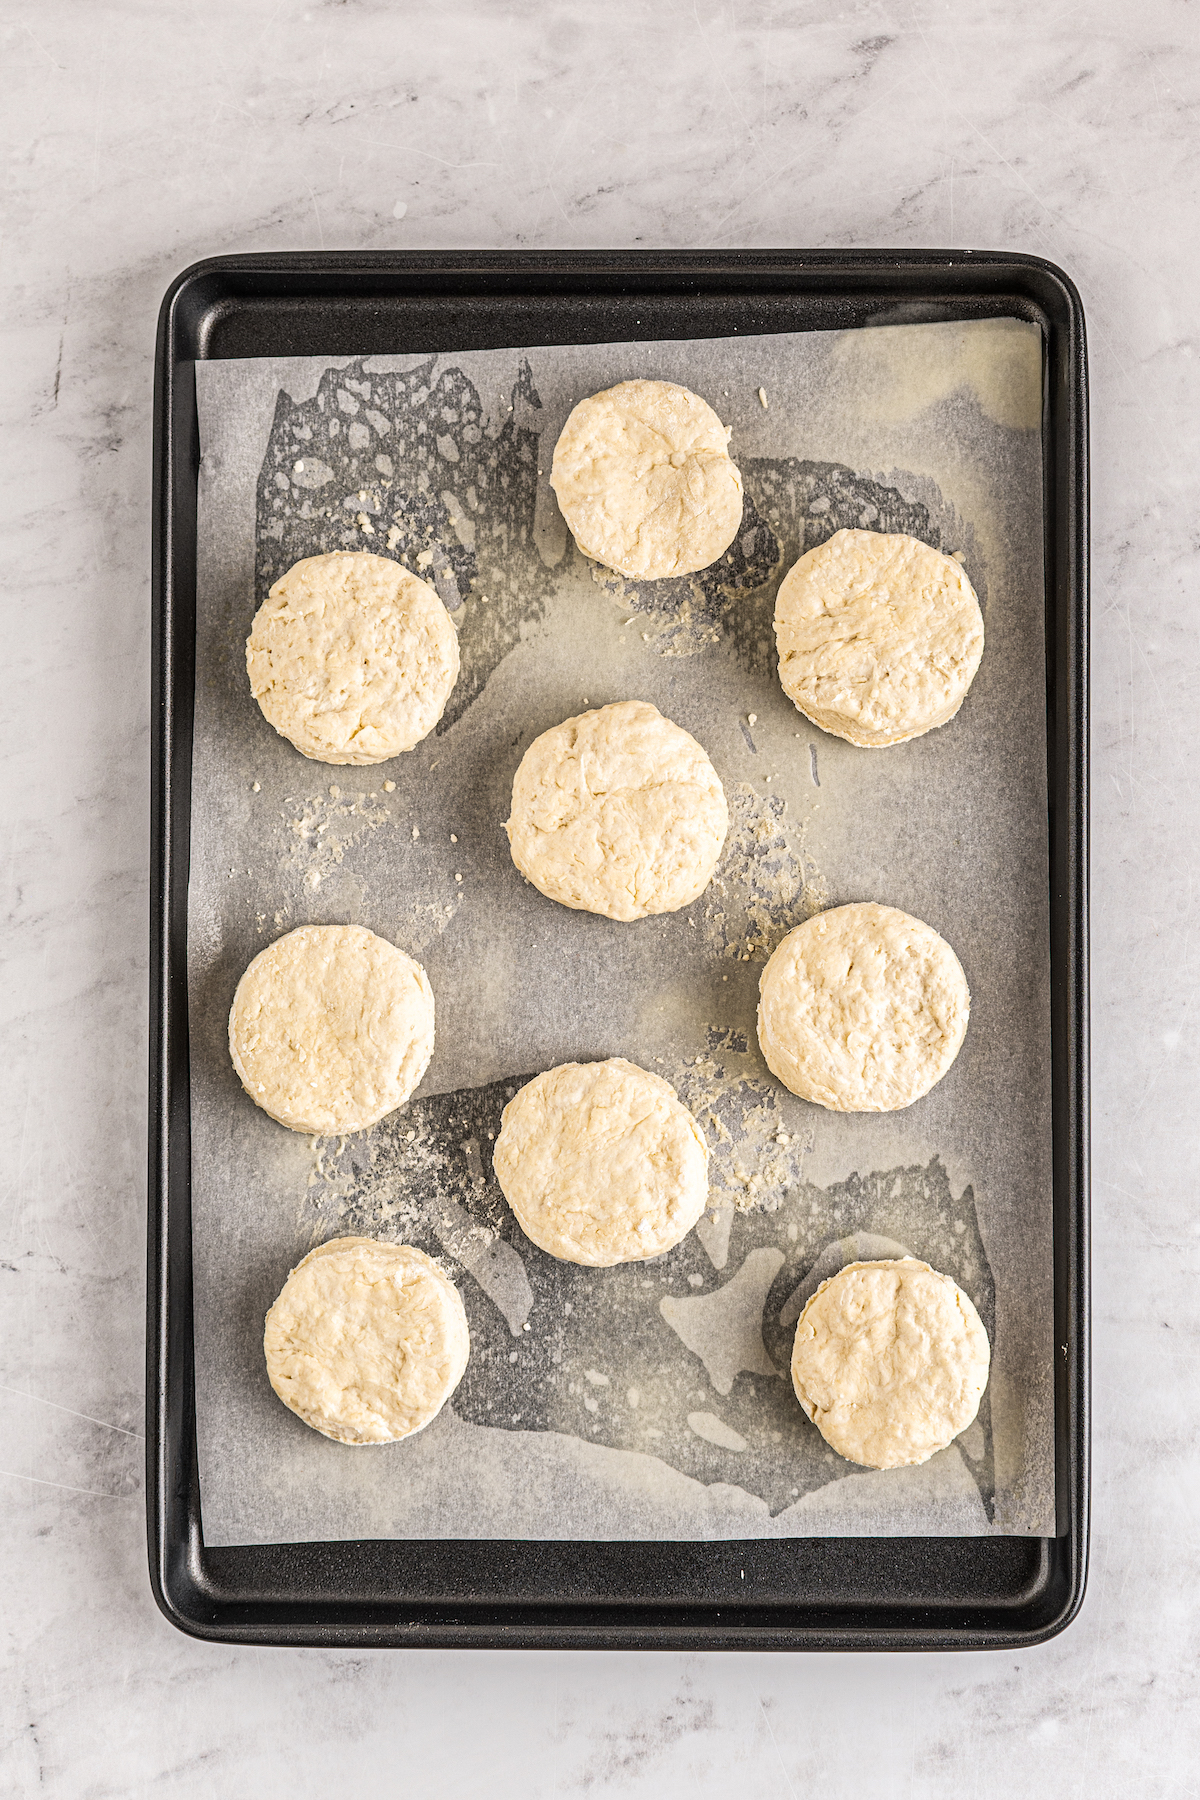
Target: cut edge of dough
{"points": [[851, 734]]}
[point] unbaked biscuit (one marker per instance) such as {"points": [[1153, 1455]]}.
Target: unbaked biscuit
{"points": [[890, 1362], [879, 637], [618, 812], [601, 1163], [367, 1341], [352, 658], [331, 1027], [862, 1009], [643, 478]]}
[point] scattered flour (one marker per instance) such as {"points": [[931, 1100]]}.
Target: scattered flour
{"points": [[766, 882], [322, 827]]}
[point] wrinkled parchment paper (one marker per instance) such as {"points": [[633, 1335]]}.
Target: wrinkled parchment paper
{"points": [[650, 1400]]}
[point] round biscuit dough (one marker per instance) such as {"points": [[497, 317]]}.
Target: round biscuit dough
{"points": [[352, 658], [367, 1341], [890, 1362], [879, 637], [601, 1163], [643, 478], [618, 812], [862, 1009], [331, 1027]]}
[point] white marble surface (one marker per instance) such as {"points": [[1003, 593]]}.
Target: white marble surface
{"points": [[139, 138]]}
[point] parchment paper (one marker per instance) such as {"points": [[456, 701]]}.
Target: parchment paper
{"points": [[650, 1400]]}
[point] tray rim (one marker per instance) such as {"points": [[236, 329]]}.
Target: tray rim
{"points": [[234, 1594]]}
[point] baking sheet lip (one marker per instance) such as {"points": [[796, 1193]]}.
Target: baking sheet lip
{"points": [[1032, 280], [725, 1626], [459, 1634], [583, 1624], [853, 262], [177, 1554]]}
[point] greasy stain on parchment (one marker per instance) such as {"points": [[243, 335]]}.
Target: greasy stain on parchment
{"points": [[675, 1358], [406, 466]]}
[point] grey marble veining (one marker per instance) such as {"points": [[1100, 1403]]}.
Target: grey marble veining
{"points": [[137, 139]]}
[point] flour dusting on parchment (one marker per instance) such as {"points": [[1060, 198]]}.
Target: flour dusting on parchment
{"points": [[766, 882], [322, 827]]}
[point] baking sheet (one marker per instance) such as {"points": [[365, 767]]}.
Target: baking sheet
{"points": [[651, 1400]]}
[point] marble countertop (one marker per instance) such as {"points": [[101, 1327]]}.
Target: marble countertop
{"points": [[138, 140]]}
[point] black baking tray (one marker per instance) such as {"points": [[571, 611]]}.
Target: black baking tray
{"points": [[799, 1593]]}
